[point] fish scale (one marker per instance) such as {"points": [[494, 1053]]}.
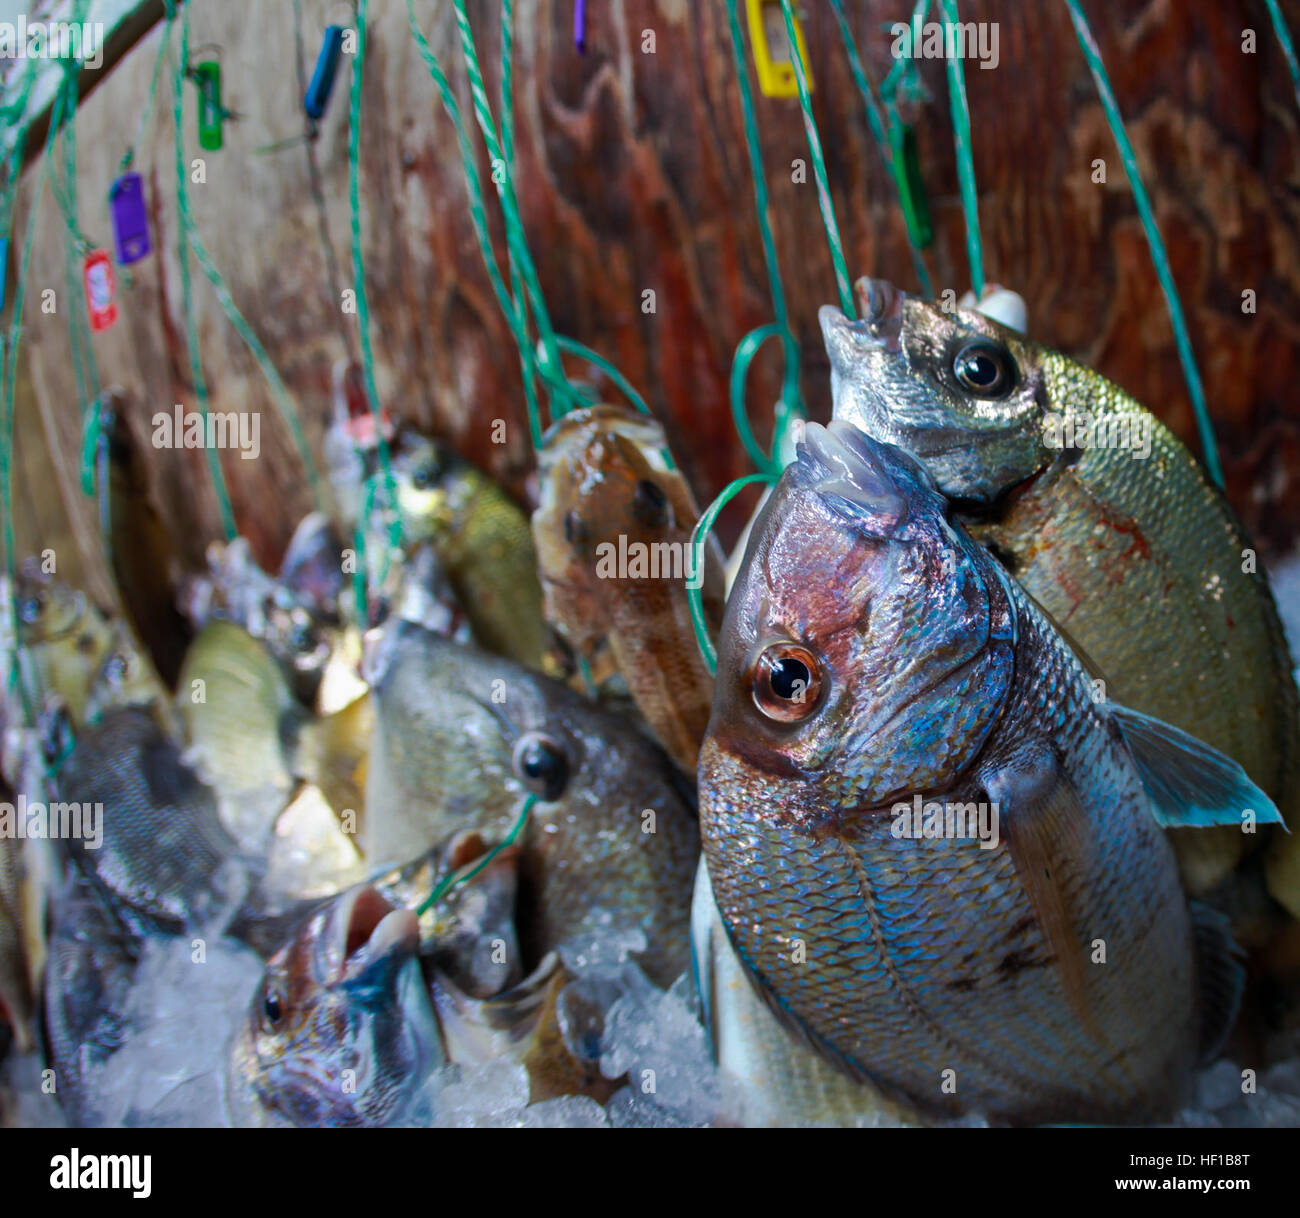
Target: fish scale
{"points": [[932, 954], [1138, 558]]}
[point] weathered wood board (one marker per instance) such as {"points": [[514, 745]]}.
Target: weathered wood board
{"points": [[632, 175]]}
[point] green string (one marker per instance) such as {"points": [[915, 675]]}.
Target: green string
{"points": [[526, 361], [965, 157], [462, 875], [746, 349], [1288, 47], [279, 391], [8, 380], [819, 168], [545, 363], [359, 284], [563, 394], [129, 155], [792, 405], [1158, 255], [184, 230], [703, 527], [879, 133], [516, 319]]}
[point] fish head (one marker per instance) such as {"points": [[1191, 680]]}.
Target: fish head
{"points": [[866, 648], [431, 486], [341, 1029], [310, 568], [47, 608], [303, 644], [964, 393], [601, 478]]}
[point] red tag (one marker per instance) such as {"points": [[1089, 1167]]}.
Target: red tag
{"points": [[100, 290]]}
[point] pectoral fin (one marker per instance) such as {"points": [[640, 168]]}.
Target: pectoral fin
{"points": [[1045, 828], [1191, 785]]}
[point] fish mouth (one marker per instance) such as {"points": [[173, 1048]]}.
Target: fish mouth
{"points": [[853, 473], [879, 327], [372, 930]]}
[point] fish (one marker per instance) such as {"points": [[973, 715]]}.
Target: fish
{"points": [[312, 567], [93, 957], [150, 832], [17, 999], [769, 1078], [883, 684], [613, 531], [295, 620], [342, 1025], [88, 661], [1140, 561], [240, 724], [255, 745], [462, 738], [484, 543], [471, 1004]]}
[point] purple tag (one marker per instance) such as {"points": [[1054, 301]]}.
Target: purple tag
{"points": [[130, 222]]}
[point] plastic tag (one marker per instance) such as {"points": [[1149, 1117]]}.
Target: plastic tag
{"points": [[322, 79], [100, 290], [207, 76], [772, 57], [130, 220]]}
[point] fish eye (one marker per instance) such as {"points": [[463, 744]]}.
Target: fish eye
{"points": [[31, 608], [424, 477], [115, 667], [985, 369], [787, 682], [575, 531], [540, 764], [650, 504], [271, 1007]]}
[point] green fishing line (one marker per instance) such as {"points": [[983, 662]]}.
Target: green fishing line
{"points": [[183, 231], [1288, 47], [703, 527], [965, 156], [881, 136], [515, 318], [8, 380], [819, 168], [462, 876], [527, 363], [747, 348], [359, 278], [1158, 254]]}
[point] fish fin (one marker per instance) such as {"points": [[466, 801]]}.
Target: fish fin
{"points": [[1220, 977], [1043, 824], [1191, 785], [332, 753], [703, 917]]}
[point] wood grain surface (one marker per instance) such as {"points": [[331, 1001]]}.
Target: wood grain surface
{"points": [[632, 175]]}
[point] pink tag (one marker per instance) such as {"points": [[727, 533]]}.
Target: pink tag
{"points": [[100, 290]]}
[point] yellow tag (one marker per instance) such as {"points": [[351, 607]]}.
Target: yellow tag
{"points": [[772, 58]]}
